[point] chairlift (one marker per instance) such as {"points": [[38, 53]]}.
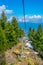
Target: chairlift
{"points": [[25, 37]]}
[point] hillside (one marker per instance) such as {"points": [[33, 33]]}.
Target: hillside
{"points": [[13, 57]]}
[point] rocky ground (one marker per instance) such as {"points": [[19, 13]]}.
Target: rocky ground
{"points": [[13, 56]]}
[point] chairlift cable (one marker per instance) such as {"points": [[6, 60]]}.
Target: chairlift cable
{"points": [[24, 14]]}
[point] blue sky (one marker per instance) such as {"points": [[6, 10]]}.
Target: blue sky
{"points": [[33, 11], [32, 7]]}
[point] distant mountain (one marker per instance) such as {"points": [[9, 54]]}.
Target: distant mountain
{"points": [[29, 25]]}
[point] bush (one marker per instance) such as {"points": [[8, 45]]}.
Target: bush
{"points": [[3, 62], [29, 64]]}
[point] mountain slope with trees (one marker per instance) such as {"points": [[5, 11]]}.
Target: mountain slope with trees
{"points": [[9, 34], [36, 36]]}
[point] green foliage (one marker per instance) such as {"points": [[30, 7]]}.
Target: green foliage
{"points": [[37, 39], [3, 63], [11, 64], [9, 33], [35, 63], [2, 58], [3, 20], [29, 64], [2, 39]]}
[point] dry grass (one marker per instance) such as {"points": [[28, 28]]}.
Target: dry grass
{"points": [[17, 60]]}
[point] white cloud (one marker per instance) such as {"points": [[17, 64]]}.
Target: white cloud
{"points": [[10, 18], [4, 8], [8, 11], [34, 18]]}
